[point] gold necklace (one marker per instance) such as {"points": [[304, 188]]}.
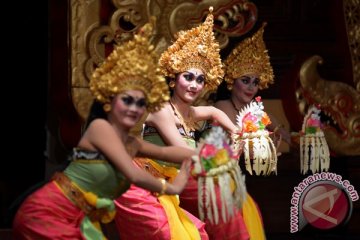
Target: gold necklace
{"points": [[188, 125]]}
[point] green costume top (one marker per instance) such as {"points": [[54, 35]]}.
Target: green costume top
{"points": [[152, 135], [93, 173]]}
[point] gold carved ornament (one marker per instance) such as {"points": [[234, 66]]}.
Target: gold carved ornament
{"points": [[340, 102]]}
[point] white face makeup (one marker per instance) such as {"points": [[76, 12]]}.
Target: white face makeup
{"points": [[245, 88], [189, 84], [129, 107]]}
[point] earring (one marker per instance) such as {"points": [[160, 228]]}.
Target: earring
{"points": [[172, 84], [107, 107]]}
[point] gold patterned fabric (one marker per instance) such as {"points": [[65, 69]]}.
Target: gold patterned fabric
{"points": [[250, 57], [132, 65], [195, 48]]}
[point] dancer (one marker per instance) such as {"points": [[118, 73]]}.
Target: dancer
{"points": [[191, 64], [74, 203], [248, 69]]}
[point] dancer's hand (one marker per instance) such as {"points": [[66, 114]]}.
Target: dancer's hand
{"points": [[181, 179]]}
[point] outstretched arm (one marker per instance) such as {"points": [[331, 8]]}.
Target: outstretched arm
{"points": [[102, 136], [278, 128], [168, 153], [214, 114]]}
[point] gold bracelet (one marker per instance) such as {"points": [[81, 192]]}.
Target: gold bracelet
{"points": [[163, 186]]}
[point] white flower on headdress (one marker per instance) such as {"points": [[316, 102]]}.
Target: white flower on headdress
{"points": [[201, 49]]}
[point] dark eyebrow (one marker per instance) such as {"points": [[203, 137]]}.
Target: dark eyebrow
{"points": [[245, 78], [194, 73], [128, 95]]}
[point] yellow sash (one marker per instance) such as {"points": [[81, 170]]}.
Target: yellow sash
{"points": [[181, 227], [252, 219]]}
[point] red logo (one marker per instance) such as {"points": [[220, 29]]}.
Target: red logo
{"points": [[325, 205]]}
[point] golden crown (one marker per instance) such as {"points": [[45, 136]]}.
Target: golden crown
{"points": [[250, 57], [195, 48], [132, 66]]}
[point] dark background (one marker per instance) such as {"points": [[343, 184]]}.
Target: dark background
{"points": [[24, 100]]}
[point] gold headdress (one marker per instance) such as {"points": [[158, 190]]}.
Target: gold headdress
{"points": [[132, 65], [250, 57], [195, 48]]}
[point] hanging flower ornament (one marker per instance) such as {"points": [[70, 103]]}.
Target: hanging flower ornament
{"points": [[217, 167], [314, 151], [257, 120], [259, 150]]}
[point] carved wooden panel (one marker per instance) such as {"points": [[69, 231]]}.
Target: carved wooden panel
{"points": [[96, 25]]}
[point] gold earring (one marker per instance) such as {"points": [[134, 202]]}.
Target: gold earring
{"points": [[172, 84], [107, 107]]}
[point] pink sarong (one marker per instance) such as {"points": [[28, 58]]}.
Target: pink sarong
{"points": [[234, 228], [47, 214], [141, 216]]}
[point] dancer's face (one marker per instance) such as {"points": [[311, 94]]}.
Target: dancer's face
{"points": [[189, 84], [128, 107], [245, 88]]}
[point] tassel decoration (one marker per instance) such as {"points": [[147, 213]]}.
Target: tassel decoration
{"points": [[314, 151], [259, 151], [220, 181]]}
